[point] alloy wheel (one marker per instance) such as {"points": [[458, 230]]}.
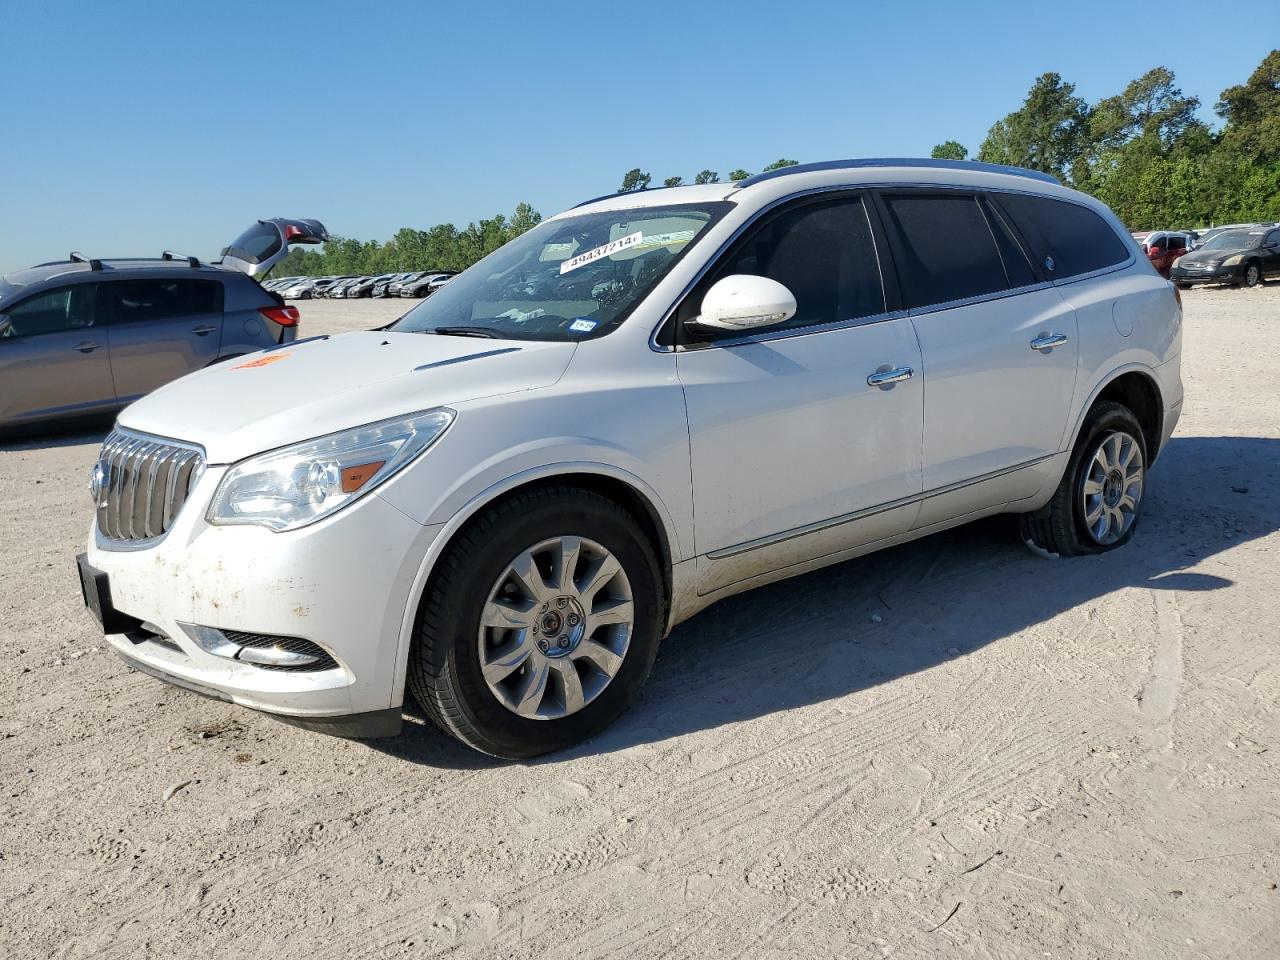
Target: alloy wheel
{"points": [[555, 628], [1112, 488]]}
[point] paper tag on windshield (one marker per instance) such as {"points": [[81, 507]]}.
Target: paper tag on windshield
{"points": [[608, 249]]}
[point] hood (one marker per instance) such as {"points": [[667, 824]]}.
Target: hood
{"points": [[324, 384]]}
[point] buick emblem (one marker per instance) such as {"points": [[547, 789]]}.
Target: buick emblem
{"points": [[99, 479]]}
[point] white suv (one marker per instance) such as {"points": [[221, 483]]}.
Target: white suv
{"points": [[648, 403]]}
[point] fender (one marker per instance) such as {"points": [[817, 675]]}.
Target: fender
{"points": [[446, 531]]}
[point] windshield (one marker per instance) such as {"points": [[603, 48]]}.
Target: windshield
{"points": [[568, 279], [1231, 240]]}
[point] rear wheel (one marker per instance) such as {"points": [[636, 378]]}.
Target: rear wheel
{"points": [[539, 625], [1096, 506]]}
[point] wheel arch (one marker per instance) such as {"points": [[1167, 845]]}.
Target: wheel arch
{"points": [[628, 491], [1137, 388]]}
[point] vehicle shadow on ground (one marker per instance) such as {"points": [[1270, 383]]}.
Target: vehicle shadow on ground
{"points": [[897, 612], [44, 437]]}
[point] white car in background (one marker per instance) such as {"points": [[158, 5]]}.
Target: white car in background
{"points": [[655, 400]]}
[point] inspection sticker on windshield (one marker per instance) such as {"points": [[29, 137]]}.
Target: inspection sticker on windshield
{"points": [[607, 250], [582, 325]]}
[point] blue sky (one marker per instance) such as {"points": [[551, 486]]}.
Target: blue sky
{"points": [[128, 128]]}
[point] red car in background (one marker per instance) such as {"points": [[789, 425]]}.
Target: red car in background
{"points": [[1164, 247]]}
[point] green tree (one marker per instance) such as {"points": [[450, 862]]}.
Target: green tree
{"points": [[1151, 109], [779, 164], [634, 179], [673, 181], [707, 176], [950, 150], [739, 174], [1046, 133], [1252, 113]]}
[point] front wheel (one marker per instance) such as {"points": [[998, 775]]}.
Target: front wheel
{"points": [[540, 624], [1252, 275], [1097, 503]]}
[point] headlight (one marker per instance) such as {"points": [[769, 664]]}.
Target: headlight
{"points": [[1232, 261], [294, 486]]}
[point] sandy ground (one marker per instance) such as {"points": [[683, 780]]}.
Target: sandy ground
{"points": [[954, 748]]}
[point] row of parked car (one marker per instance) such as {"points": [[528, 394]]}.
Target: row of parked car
{"points": [[1241, 254], [419, 283]]}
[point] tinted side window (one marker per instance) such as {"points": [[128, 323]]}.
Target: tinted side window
{"points": [[1071, 237], [142, 301], [1017, 265], [55, 311], [823, 253], [946, 249]]}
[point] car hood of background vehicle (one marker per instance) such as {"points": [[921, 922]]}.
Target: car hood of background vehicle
{"points": [[317, 386]]}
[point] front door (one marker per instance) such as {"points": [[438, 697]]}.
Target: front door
{"points": [[795, 456], [53, 357]]}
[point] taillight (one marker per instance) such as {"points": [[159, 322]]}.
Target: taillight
{"points": [[285, 316]]}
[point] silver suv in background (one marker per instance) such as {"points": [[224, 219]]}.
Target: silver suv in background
{"points": [[86, 336]]}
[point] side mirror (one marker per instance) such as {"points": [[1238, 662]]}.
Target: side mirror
{"points": [[741, 302]]}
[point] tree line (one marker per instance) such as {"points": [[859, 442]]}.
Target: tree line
{"points": [[442, 247], [1143, 152]]}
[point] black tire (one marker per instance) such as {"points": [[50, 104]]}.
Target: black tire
{"points": [[1184, 286], [1252, 274], [444, 673], [1059, 527]]}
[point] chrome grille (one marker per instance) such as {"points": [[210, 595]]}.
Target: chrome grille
{"points": [[142, 483]]}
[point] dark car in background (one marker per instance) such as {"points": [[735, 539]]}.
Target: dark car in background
{"points": [[1238, 257], [86, 336], [426, 284]]}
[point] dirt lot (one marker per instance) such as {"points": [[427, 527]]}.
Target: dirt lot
{"points": [[954, 748]]}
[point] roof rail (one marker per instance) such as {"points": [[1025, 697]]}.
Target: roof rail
{"points": [[81, 258], [170, 255], [971, 165]]}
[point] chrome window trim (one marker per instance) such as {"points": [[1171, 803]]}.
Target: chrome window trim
{"points": [[105, 542], [878, 318], [818, 526]]}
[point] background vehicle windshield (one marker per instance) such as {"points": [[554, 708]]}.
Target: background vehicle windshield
{"points": [[569, 279], [1232, 240]]}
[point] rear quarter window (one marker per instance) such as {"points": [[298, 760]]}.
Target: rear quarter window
{"points": [[1067, 238]]}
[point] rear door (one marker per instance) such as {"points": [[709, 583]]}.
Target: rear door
{"points": [[159, 329], [53, 356], [998, 346], [267, 242]]}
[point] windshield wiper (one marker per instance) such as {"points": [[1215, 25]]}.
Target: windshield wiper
{"points": [[463, 332]]}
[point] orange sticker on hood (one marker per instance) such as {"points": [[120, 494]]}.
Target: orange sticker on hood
{"points": [[261, 361]]}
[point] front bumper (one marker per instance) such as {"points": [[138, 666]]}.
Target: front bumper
{"points": [[1181, 274], [344, 584]]}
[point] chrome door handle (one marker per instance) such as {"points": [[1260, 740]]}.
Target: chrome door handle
{"points": [[87, 346], [1047, 341], [887, 378], [201, 331]]}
